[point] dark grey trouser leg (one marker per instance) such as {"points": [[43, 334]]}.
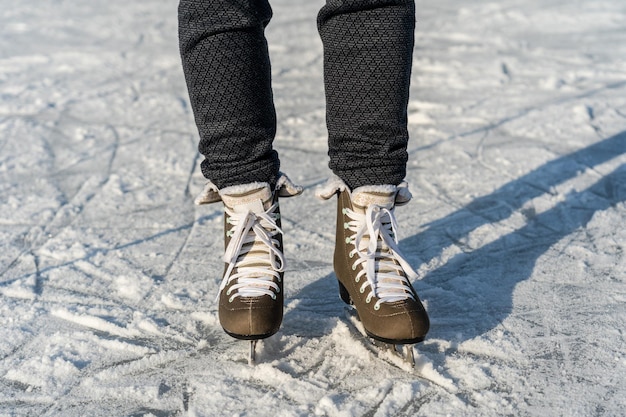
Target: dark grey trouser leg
{"points": [[368, 50], [227, 69]]}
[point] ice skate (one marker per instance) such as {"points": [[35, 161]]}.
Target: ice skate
{"points": [[251, 291], [373, 276]]}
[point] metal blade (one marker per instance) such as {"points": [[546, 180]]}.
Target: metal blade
{"points": [[252, 354]]}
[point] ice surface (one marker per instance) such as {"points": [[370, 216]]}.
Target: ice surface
{"points": [[518, 170]]}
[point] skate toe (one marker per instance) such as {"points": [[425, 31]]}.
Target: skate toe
{"points": [[250, 320]]}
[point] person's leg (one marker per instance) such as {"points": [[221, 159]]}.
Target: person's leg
{"points": [[368, 49], [227, 69]]}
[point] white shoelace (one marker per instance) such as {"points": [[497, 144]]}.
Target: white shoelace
{"points": [[255, 252], [387, 272]]}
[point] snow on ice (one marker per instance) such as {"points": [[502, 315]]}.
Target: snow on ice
{"points": [[518, 170]]}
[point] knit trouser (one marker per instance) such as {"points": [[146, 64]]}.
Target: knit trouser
{"points": [[368, 47]]}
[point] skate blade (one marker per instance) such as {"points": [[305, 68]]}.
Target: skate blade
{"points": [[395, 353], [252, 353]]}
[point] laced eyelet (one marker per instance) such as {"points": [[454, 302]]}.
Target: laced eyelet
{"points": [[346, 225], [261, 230], [377, 307], [351, 255], [347, 240], [354, 267], [369, 298], [357, 279], [362, 290], [344, 211]]}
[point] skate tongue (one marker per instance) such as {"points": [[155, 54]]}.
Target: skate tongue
{"points": [[254, 201]]}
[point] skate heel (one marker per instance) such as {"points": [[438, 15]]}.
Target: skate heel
{"points": [[344, 294]]}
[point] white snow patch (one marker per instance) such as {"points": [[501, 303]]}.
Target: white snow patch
{"points": [[95, 323]]}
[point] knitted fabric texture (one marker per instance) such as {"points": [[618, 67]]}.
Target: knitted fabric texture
{"points": [[227, 69], [368, 46]]}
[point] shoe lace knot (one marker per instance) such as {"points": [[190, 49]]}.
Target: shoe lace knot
{"points": [[375, 243], [253, 254]]}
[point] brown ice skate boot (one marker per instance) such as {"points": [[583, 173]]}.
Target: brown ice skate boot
{"points": [[373, 276], [251, 292]]}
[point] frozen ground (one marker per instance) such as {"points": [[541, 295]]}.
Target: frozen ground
{"points": [[518, 168]]}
